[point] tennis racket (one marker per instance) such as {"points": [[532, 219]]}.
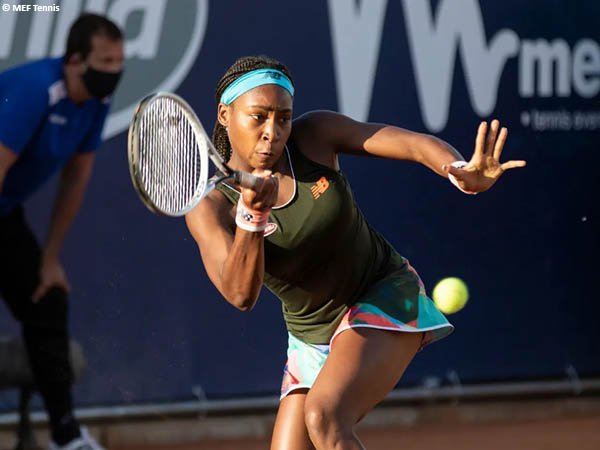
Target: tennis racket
{"points": [[169, 154]]}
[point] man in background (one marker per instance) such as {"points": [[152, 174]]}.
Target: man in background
{"points": [[52, 113]]}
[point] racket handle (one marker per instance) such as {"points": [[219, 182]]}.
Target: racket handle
{"points": [[245, 179]]}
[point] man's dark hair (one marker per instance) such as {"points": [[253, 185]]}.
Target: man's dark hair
{"points": [[237, 69], [84, 28]]}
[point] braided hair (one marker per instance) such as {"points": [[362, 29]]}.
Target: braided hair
{"points": [[237, 69]]}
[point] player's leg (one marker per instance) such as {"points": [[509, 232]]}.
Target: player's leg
{"points": [[304, 361], [44, 324], [364, 364], [290, 431]]}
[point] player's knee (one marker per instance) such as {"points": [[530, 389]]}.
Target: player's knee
{"points": [[316, 418], [324, 424]]}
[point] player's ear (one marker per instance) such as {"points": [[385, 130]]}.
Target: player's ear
{"points": [[75, 58], [223, 114]]}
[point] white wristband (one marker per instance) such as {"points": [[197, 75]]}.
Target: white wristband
{"points": [[454, 181], [249, 219]]}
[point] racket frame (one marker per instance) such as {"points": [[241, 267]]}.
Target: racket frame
{"points": [[133, 152]]}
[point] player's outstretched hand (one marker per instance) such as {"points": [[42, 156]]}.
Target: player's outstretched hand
{"points": [[484, 168]]}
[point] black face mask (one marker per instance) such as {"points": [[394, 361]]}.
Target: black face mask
{"points": [[99, 83]]}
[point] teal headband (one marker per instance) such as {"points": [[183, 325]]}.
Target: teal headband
{"points": [[254, 79]]}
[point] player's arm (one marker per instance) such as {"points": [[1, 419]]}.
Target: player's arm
{"points": [[74, 179], [7, 159], [233, 258], [331, 133], [336, 133]]}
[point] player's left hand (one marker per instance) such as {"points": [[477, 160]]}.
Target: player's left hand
{"points": [[484, 168], [52, 274]]}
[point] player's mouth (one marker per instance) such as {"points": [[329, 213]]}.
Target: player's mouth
{"points": [[265, 155]]}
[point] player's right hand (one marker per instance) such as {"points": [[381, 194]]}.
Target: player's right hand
{"points": [[264, 195]]}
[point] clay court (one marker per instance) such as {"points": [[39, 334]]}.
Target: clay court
{"points": [[539, 424], [515, 423], [558, 434]]}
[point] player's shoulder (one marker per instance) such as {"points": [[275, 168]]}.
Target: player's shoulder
{"points": [[315, 118], [316, 133], [318, 123]]}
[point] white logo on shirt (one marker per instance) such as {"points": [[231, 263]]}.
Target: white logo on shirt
{"points": [[56, 92], [57, 119]]}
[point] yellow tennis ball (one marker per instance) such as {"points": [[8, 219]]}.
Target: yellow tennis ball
{"points": [[450, 295]]}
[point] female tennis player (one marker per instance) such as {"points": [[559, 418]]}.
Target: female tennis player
{"points": [[355, 310]]}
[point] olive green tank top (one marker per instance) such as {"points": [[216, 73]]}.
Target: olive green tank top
{"points": [[320, 253]]}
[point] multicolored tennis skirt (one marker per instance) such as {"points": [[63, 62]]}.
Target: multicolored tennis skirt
{"points": [[394, 303]]}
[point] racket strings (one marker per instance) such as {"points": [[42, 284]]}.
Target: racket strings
{"points": [[170, 156]]}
